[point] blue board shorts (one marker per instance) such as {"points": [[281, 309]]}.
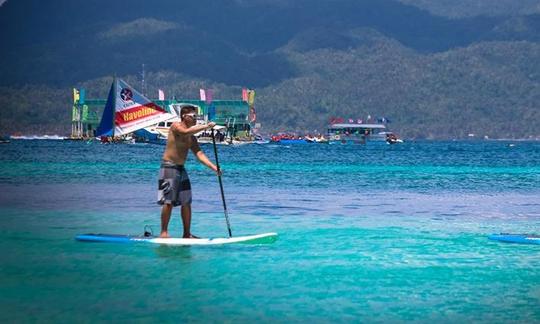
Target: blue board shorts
{"points": [[174, 187]]}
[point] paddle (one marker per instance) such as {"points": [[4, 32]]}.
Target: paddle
{"points": [[221, 184]]}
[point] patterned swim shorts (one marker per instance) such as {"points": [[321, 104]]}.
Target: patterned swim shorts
{"points": [[173, 185]]}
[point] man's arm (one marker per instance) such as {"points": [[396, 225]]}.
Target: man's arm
{"points": [[196, 149], [180, 129]]}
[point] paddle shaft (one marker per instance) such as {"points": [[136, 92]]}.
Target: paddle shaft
{"points": [[221, 185]]}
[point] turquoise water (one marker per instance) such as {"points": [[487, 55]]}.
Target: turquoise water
{"points": [[370, 234]]}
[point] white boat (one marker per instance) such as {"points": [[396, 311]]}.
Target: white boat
{"points": [[350, 133], [220, 134], [157, 134]]}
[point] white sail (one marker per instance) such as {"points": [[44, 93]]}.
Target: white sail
{"points": [[127, 110]]}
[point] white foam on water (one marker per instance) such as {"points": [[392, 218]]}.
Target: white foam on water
{"points": [[38, 137]]}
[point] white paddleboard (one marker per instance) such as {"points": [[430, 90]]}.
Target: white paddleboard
{"points": [[265, 238]]}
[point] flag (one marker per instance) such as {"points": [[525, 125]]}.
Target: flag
{"points": [[82, 95], [161, 94], [211, 112], [252, 114], [251, 97], [244, 94], [74, 114], [203, 94], [84, 117], [209, 93], [75, 95]]}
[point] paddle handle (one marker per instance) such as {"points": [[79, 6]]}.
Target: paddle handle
{"points": [[221, 185]]}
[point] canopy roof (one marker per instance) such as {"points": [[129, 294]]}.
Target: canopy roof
{"points": [[377, 126]]}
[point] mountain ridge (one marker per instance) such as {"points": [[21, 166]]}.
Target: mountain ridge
{"points": [[307, 63]]}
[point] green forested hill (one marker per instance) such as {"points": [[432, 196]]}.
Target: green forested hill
{"points": [[432, 76], [470, 8], [487, 89]]}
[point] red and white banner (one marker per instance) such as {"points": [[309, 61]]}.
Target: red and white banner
{"points": [[133, 111]]}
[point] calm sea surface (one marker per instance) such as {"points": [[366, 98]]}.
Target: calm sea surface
{"points": [[367, 234]]}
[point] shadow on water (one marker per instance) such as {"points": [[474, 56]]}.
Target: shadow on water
{"points": [[182, 253]]}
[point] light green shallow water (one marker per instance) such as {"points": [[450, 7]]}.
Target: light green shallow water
{"points": [[391, 239], [324, 269]]}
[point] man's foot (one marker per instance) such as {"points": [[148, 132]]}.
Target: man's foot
{"points": [[164, 235], [191, 236]]}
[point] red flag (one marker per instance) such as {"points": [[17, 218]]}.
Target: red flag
{"points": [[244, 94], [209, 93], [252, 114]]}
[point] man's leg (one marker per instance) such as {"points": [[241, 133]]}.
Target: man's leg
{"points": [[165, 217], [186, 220]]}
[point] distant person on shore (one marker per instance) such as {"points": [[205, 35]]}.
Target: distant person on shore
{"points": [[174, 188]]}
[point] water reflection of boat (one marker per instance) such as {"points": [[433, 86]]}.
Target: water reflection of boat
{"points": [[293, 141], [349, 133]]}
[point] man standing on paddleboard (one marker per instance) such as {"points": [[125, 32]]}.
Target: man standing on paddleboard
{"points": [[174, 188]]}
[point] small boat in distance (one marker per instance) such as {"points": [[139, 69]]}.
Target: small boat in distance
{"points": [[350, 133], [283, 138]]}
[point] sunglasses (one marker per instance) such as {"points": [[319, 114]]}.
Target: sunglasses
{"points": [[192, 115]]}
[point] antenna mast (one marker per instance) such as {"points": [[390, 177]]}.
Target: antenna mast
{"points": [[143, 84]]}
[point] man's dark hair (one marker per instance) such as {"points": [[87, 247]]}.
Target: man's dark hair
{"points": [[186, 110]]}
